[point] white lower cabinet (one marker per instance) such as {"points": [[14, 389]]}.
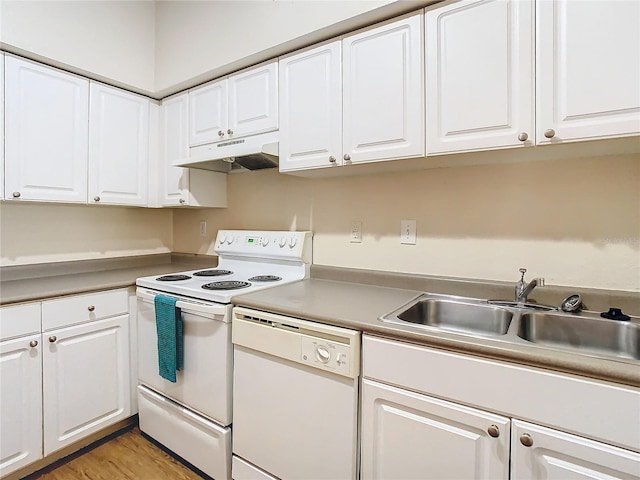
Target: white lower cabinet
{"points": [[540, 453], [85, 380], [457, 416], [406, 435], [20, 401], [64, 372]]}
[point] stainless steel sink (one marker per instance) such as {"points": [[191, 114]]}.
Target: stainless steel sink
{"points": [[458, 316], [586, 333]]}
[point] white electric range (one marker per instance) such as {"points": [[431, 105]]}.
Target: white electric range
{"points": [[193, 416]]}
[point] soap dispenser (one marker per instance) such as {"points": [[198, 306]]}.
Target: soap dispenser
{"points": [[520, 286]]}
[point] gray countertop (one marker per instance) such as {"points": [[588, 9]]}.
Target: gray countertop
{"points": [[32, 283], [358, 306], [356, 301]]}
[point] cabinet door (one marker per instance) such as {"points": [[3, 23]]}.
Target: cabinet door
{"points": [[1, 126], [208, 113], [311, 108], [118, 147], [46, 133], [406, 435], [588, 69], [543, 454], [383, 103], [253, 101], [480, 92], [174, 181], [20, 402], [86, 380]]}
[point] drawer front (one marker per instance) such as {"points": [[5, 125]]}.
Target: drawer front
{"points": [[17, 320], [84, 308]]}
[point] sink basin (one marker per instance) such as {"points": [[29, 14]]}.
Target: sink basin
{"points": [[582, 332], [474, 318]]}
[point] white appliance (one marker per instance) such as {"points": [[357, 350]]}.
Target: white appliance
{"points": [[193, 416], [295, 398]]}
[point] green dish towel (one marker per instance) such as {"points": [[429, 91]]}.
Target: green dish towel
{"points": [[170, 337]]}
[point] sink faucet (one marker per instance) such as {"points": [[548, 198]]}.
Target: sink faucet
{"points": [[522, 290]]}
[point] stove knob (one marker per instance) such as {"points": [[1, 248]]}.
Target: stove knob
{"points": [[282, 242], [293, 241], [230, 240], [265, 241], [223, 238]]}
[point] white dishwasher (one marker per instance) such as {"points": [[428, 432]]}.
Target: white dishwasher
{"points": [[295, 398]]}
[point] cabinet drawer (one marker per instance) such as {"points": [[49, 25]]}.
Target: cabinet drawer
{"points": [[17, 320], [84, 308]]}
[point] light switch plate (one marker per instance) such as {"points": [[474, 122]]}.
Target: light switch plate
{"points": [[408, 232]]}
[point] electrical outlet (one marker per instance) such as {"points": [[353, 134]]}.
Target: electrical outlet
{"points": [[408, 232], [203, 228], [356, 232]]}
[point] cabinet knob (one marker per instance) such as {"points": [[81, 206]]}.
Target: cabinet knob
{"points": [[523, 136], [16, 194], [182, 200], [332, 159], [96, 198], [33, 343], [220, 133], [550, 133], [52, 339], [347, 157], [493, 431], [91, 308], [230, 132], [526, 440]]}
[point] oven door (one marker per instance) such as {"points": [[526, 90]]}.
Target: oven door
{"points": [[204, 385]]}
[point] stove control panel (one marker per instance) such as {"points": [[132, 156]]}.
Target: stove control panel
{"points": [[265, 244]]}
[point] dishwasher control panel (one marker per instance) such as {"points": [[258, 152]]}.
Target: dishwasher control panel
{"points": [[325, 354]]}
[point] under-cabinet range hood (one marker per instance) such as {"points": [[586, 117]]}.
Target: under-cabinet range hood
{"points": [[251, 153]]}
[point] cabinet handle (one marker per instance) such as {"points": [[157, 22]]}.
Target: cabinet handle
{"points": [[33, 343], [16, 194], [550, 133], [182, 200], [493, 431], [52, 339], [332, 159], [220, 133], [523, 137], [526, 440], [91, 308], [347, 157], [96, 198], [230, 132]]}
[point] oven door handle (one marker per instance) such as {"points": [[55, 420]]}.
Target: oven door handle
{"points": [[209, 309]]}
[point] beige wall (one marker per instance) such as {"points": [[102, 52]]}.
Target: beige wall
{"points": [[574, 222], [34, 233], [110, 40], [205, 39]]}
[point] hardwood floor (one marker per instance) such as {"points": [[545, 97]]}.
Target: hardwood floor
{"points": [[128, 455]]}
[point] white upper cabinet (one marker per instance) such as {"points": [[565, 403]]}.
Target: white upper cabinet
{"points": [[253, 101], [539, 453], [242, 104], [46, 133], [118, 147], [479, 74], [383, 94], [1, 126], [311, 108], [184, 186], [588, 69], [208, 113]]}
